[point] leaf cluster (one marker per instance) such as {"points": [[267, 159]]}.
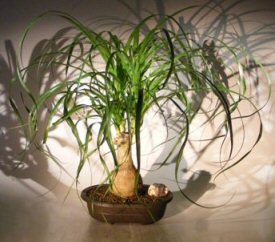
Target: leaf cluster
{"points": [[111, 82]]}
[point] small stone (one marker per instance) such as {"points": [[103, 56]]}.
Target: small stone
{"points": [[158, 190]]}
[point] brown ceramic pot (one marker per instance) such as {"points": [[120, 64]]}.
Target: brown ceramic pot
{"points": [[143, 213]]}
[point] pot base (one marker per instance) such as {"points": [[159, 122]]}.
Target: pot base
{"points": [[143, 211]]}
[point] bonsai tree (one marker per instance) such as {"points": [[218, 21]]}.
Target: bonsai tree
{"points": [[112, 82]]}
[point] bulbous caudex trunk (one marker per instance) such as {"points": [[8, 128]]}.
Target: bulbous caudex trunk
{"points": [[126, 177]]}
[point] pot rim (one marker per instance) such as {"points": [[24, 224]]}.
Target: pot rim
{"points": [[86, 198]]}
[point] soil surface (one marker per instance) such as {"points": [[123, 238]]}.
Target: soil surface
{"points": [[102, 194]]}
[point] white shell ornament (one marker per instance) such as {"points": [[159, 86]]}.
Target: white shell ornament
{"points": [[158, 190]]}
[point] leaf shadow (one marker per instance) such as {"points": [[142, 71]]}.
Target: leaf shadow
{"points": [[15, 160], [196, 186]]}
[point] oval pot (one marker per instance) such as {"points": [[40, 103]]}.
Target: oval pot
{"points": [[138, 212]]}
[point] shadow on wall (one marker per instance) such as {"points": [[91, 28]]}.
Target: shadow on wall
{"points": [[34, 165], [16, 212], [223, 15], [15, 161], [197, 185]]}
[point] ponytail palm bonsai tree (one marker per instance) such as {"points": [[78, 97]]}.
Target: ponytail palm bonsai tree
{"points": [[111, 83]]}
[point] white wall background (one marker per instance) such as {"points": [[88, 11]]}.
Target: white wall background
{"points": [[33, 193]]}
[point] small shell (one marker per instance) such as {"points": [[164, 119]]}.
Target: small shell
{"points": [[157, 190]]}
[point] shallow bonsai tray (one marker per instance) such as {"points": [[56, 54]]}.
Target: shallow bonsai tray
{"points": [[143, 211]]}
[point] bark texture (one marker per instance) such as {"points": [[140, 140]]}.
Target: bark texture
{"points": [[125, 178]]}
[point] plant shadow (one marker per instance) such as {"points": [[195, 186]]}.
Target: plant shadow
{"points": [[218, 30], [17, 160], [196, 186]]}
